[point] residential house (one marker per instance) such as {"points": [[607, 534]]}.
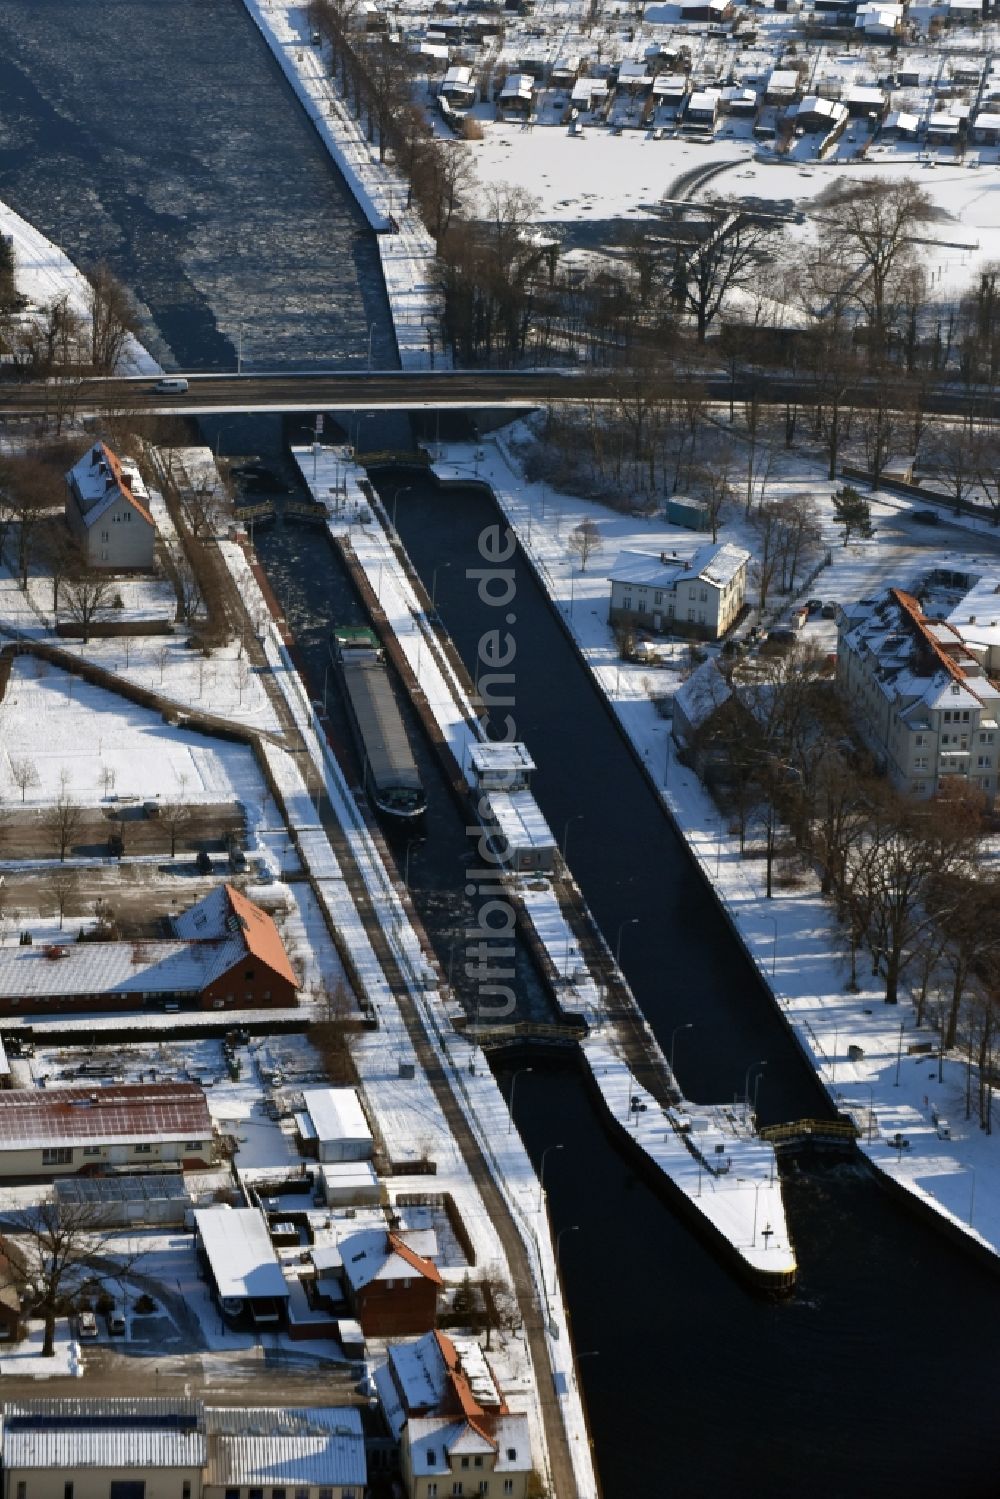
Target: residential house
{"points": [[921, 693], [226, 954], [107, 511], [456, 1432], [127, 1127], [700, 595], [696, 702], [458, 88], [702, 112], [816, 116], [784, 86], [391, 1281], [517, 97], [142, 1448], [986, 128]]}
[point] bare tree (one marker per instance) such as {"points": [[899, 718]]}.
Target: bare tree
{"points": [[62, 820], [62, 1243], [24, 774], [30, 487], [88, 599], [871, 233], [175, 817], [112, 317], [730, 253], [63, 885], [583, 541]]}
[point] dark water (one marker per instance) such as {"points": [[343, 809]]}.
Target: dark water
{"points": [[159, 135], [133, 130]]}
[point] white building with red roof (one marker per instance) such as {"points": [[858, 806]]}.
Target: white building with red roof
{"points": [[107, 510]]}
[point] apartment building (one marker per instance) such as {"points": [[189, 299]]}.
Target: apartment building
{"points": [[920, 693]]}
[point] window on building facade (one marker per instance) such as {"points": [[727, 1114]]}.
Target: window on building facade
{"points": [[301, 1494], [186, 1489], [91, 1150], [484, 1485], [57, 1155], [255, 1494], [657, 598], [279, 1494], [508, 1485], [457, 1488], [432, 1490], [68, 1490], [232, 1494], [627, 601], [127, 1488], [22, 1490], [143, 1148]]}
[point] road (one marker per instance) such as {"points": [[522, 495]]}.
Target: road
{"points": [[409, 390]]}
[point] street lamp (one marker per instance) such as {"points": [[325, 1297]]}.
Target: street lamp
{"points": [[541, 1174], [510, 1101], [899, 1054], [403, 489], [577, 817], [571, 1228], [434, 583], [632, 921], [746, 1083], [406, 861], [756, 1199], [687, 1026]]}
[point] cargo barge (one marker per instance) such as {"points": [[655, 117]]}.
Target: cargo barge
{"points": [[390, 775]]}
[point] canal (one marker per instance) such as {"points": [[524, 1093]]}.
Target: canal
{"points": [[132, 131]]}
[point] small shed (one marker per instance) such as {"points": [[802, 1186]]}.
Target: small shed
{"points": [[339, 1126], [350, 1184], [692, 514]]}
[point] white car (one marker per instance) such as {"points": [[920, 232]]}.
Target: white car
{"points": [[86, 1325]]}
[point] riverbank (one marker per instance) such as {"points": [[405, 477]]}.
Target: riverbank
{"points": [[44, 274], [405, 247], [873, 1062]]}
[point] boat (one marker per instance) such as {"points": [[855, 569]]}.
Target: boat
{"points": [[391, 778]]}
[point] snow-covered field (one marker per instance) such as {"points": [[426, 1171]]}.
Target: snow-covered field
{"points": [[793, 938], [72, 732]]}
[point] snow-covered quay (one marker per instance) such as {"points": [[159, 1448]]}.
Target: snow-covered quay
{"points": [[709, 1155]]}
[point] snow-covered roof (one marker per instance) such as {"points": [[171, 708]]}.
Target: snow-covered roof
{"points": [[705, 690], [336, 1114], [373, 1254], [32, 1118], [715, 564], [519, 820], [123, 1434], [306, 1446], [517, 86], [827, 109], [434, 1440], [98, 481], [986, 121], [102, 969], [501, 758], [457, 77], [783, 81], [239, 1249]]}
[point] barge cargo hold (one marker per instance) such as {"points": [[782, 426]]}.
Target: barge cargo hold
{"points": [[391, 778]]}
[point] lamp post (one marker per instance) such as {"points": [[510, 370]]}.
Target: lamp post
{"points": [[510, 1101], [541, 1174], [746, 1083], [571, 1228], [632, 921], [756, 1199], [434, 583], [687, 1026], [577, 817], [899, 1054], [406, 861], [403, 489], [774, 947], [756, 1090]]}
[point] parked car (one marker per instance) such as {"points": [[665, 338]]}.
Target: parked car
{"points": [[779, 639], [926, 517], [86, 1325], [115, 1319], [829, 609], [203, 862]]}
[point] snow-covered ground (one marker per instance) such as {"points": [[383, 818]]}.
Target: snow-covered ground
{"points": [[405, 247], [24, 1360], [793, 938], [44, 275]]}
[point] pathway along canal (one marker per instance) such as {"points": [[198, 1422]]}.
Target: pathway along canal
{"points": [[877, 1376]]}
